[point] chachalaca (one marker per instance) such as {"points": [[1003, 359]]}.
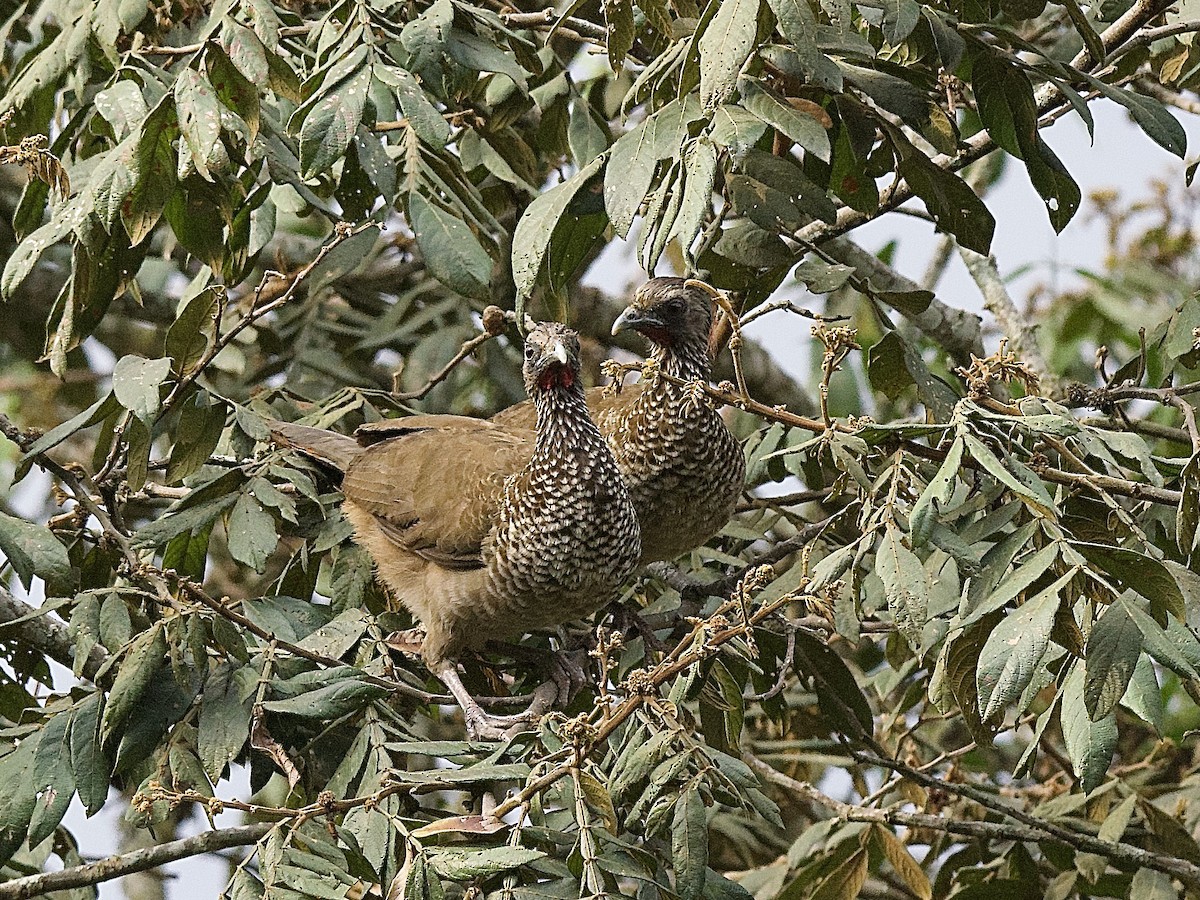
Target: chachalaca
{"points": [[683, 468], [485, 531]]}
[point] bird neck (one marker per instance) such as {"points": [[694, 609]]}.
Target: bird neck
{"points": [[687, 360], [562, 417]]}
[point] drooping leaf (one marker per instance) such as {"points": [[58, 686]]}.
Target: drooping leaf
{"points": [[1013, 649], [724, 48], [1090, 743], [451, 250]]}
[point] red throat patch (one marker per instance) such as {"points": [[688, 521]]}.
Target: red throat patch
{"points": [[556, 376]]}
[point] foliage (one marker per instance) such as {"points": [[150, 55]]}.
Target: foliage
{"points": [[957, 657]]}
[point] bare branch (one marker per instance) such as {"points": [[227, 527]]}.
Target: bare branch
{"points": [[1016, 326], [137, 861]]}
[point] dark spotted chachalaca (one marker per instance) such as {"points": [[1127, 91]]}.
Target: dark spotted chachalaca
{"points": [[683, 468], [483, 530]]}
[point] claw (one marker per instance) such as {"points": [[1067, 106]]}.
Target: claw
{"points": [[480, 725]]}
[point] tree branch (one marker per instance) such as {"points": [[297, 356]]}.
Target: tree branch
{"points": [[45, 634], [955, 330], [137, 861], [1122, 853], [1016, 327]]}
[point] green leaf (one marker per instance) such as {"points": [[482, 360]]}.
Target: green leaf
{"points": [[34, 550], [533, 234], [736, 129], [1090, 744], [940, 489], [1009, 658], [153, 168], [89, 763], [138, 668], [199, 120], [17, 800], [136, 384], [122, 106], [906, 584], [332, 121], [52, 777], [199, 432], [186, 518], [1163, 645], [1151, 116], [1143, 697], [900, 17], [224, 721], [251, 532], [1141, 573], [839, 696], [1150, 884], [954, 206], [451, 251], [628, 175], [886, 369], [689, 844], [466, 863], [330, 701], [586, 138], [803, 129], [700, 172], [618, 25], [1004, 98], [1113, 649], [1024, 574], [424, 118], [192, 333], [986, 458], [725, 46]]}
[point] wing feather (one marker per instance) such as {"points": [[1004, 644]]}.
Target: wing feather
{"points": [[436, 493]]}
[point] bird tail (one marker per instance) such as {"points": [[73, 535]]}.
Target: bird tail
{"points": [[329, 447]]}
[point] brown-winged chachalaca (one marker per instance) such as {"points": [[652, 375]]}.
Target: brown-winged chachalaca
{"points": [[684, 470], [485, 530]]}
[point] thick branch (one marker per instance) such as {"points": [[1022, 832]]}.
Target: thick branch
{"points": [[137, 861], [1016, 327], [45, 634], [955, 330]]}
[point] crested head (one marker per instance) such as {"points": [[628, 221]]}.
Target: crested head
{"points": [[675, 314], [551, 358]]}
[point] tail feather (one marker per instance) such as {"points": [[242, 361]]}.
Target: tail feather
{"points": [[329, 447]]}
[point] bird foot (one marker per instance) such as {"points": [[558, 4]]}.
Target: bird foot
{"points": [[568, 674], [481, 725]]}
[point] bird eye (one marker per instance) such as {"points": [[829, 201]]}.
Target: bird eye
{"points": [[529, 351]]}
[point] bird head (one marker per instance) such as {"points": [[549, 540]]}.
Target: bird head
{"points": [[675, 314], [669, 311], [551, 356]]}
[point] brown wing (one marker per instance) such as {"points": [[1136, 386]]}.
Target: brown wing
{"points": [[374, 432], [337, 450], [436, 493], [603, 405]]}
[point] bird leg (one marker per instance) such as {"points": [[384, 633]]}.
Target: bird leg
{"points": [[480, 725]]}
